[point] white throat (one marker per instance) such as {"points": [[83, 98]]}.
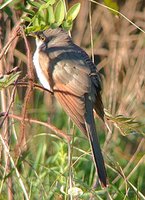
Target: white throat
{"points": [[42, 78]]}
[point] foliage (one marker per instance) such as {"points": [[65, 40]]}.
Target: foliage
{"points": [[8, 79], [126, 125], [49, 14]]}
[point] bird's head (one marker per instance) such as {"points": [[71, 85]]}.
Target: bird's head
{"points": [[51, 37]]}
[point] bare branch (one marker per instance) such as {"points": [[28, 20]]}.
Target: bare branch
{"points": [[50, 126]]}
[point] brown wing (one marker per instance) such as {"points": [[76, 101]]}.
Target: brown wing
{"points": [[70, 85], [95, 84]]}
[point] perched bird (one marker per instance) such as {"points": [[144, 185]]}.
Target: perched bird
{"points": [[65, 69]]}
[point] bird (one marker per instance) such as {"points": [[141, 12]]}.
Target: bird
{"points": [[66, 70]]}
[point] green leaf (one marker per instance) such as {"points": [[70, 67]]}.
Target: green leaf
{"points": [[7, 80], [46, 5], [59, 12], [34, 3], [41, 15], [67, 25], [51, 2], [36, 21], [41, 20], [51, 17], [113, 5], [27, 19], [30, 12], [73, 12], [46, 17], [31, 29], [55, 25], [8, 11], [126, 125]]}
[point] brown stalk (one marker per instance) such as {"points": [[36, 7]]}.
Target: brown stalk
{"points": [[35, 85], [15, 34], [48, 125], [22, 138]]}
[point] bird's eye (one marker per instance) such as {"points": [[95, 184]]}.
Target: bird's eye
{"points": [[42, 37]]}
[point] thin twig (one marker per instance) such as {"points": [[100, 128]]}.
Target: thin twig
{"points": [[35, 85], [51, 127], [10, 104], [28, 92]]}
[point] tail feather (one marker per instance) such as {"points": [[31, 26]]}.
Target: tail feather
{"points": [[92, 135]]}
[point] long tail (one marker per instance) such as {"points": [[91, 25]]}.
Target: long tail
{"points": [[92, 135]]}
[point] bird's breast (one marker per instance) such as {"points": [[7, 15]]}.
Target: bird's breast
{"points": [[41, 66]]}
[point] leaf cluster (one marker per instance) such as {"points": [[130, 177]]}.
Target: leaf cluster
{"points": [[48, 13], [8, 79], [126, 125]]}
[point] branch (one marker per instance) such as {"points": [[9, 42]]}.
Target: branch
{"points": [[51, 127], [28, 91]]}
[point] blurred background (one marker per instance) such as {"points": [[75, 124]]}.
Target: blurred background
{"points": [[47, 164]]}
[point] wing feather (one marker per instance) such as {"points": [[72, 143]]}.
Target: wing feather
{"points": [[74, 107], [70, 85], [71, 76]]}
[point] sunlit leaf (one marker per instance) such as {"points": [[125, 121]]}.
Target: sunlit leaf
{"points": [[8, 79], [126, 125], [51, 2], [59, 12], [51, 17], [50, 14], [112, 4], [42, 17], [30, 12], [54, 25], [36, 22], [46, 5], [32, 29], [34, 3], [27, 19], [41, 21], [67, 25], [29, 29], [73, 12]]}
